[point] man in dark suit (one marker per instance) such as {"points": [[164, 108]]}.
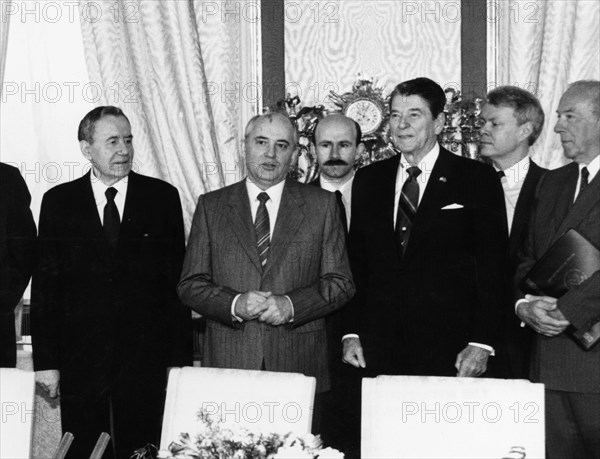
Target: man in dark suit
{"points": [[427, 244], [266, 261], [106, 320], [568, 197], [513, 121], [17, 244], [338, 144]]}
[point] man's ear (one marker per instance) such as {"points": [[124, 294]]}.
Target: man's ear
{"points": [[525, 130], [440, 120], [360, 150], [84, 146]]}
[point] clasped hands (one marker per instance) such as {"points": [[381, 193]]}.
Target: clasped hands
{"points": [[264, 307], [542, 314]]}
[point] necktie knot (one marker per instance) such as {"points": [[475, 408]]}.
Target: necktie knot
{"points": [[263, 197], [413, 172], [585, 174], [500, 174], [110, 193]]}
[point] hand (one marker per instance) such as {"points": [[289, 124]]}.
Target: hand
{"points": [[352, 353], [48, 380], [472, 361], [542, 314], [251, 305], [278, 310]]}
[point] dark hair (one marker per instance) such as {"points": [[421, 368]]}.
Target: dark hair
{"points": [[526, 106], [357, 130], [87, 125], [428, 89]]}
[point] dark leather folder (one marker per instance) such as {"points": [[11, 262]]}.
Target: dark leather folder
{"points": [[571, 260]]}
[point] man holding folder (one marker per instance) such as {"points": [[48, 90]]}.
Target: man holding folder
{"points": [[568, 198]]}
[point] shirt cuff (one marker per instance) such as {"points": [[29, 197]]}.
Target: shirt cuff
{"points": [[521, 301], [484, 346], [349, 335], [292, 305], [233, 316]]}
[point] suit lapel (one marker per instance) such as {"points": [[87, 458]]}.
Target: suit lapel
{"points": [[132, 226], [582, 206], [523, 208], [434, 196], [88, 219], [289, 219], [240, 219]]}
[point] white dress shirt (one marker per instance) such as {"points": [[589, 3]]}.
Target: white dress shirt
{"points": [[345, 189], [426, 166], [592, 168], [512, 183], [99, 190]]}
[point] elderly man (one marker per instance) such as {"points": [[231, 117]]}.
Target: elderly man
{"points": [[427, 247], [266, 261], [513, 121], [568, 197], [106, 320]]}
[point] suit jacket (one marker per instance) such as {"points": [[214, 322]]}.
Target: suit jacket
{"points": [[17, 247], [99, 319], [416, 313], [559, 362], [518, 346], [307, 261]]}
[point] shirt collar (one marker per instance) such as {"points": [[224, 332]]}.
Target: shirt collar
{"points": [[592, 167], [274, 192], [100, 188], [331, 186], [516, 173], [428, 161]]}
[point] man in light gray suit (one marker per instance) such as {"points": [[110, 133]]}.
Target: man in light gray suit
{"points": [[266, 262]]}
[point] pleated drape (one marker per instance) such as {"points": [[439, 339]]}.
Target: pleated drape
{"points": [[543, 46], [146, 57]]}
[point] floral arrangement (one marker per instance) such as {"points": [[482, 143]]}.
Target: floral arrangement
{"points": [[217, 440], [463, 121]]}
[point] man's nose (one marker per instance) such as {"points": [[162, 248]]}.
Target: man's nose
{"points": [[270, 152], [559, 126]]}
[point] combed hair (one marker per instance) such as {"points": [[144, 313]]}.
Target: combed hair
{"points": [[428, 89], [269, 116], [526, 106], [87, 126], [591, 88]]}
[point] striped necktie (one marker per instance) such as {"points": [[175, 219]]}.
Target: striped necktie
{"points": [[407, 208], [262, 229]]}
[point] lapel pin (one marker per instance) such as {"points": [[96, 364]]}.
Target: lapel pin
{"points": [[443, 179]]}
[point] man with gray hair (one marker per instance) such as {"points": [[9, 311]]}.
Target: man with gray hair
{"points": [[513, 121], [568, 197], [266, 262]]}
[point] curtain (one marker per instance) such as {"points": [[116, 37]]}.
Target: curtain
{"points": [[542, 46], [146, 57]]}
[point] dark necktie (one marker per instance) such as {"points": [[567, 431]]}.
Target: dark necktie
{"points": [[501, 175], [407, 208], [585, 174], [342, 207], [262, 229], [112, 222]]}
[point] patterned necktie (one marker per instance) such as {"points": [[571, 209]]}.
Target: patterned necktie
{"points": [[585, 174], [262, 229], [342, 207], [112, 222], [407, 208]]}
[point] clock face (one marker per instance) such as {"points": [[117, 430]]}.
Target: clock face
{"points": [[366, 113]]}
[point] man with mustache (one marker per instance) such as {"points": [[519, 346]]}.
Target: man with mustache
{"points": [[513, 121], [338, 143], [106, 320], [266, 262], [568, 197], [427, 247]]}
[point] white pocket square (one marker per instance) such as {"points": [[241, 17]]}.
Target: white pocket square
{"points": [[453, 206]]}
